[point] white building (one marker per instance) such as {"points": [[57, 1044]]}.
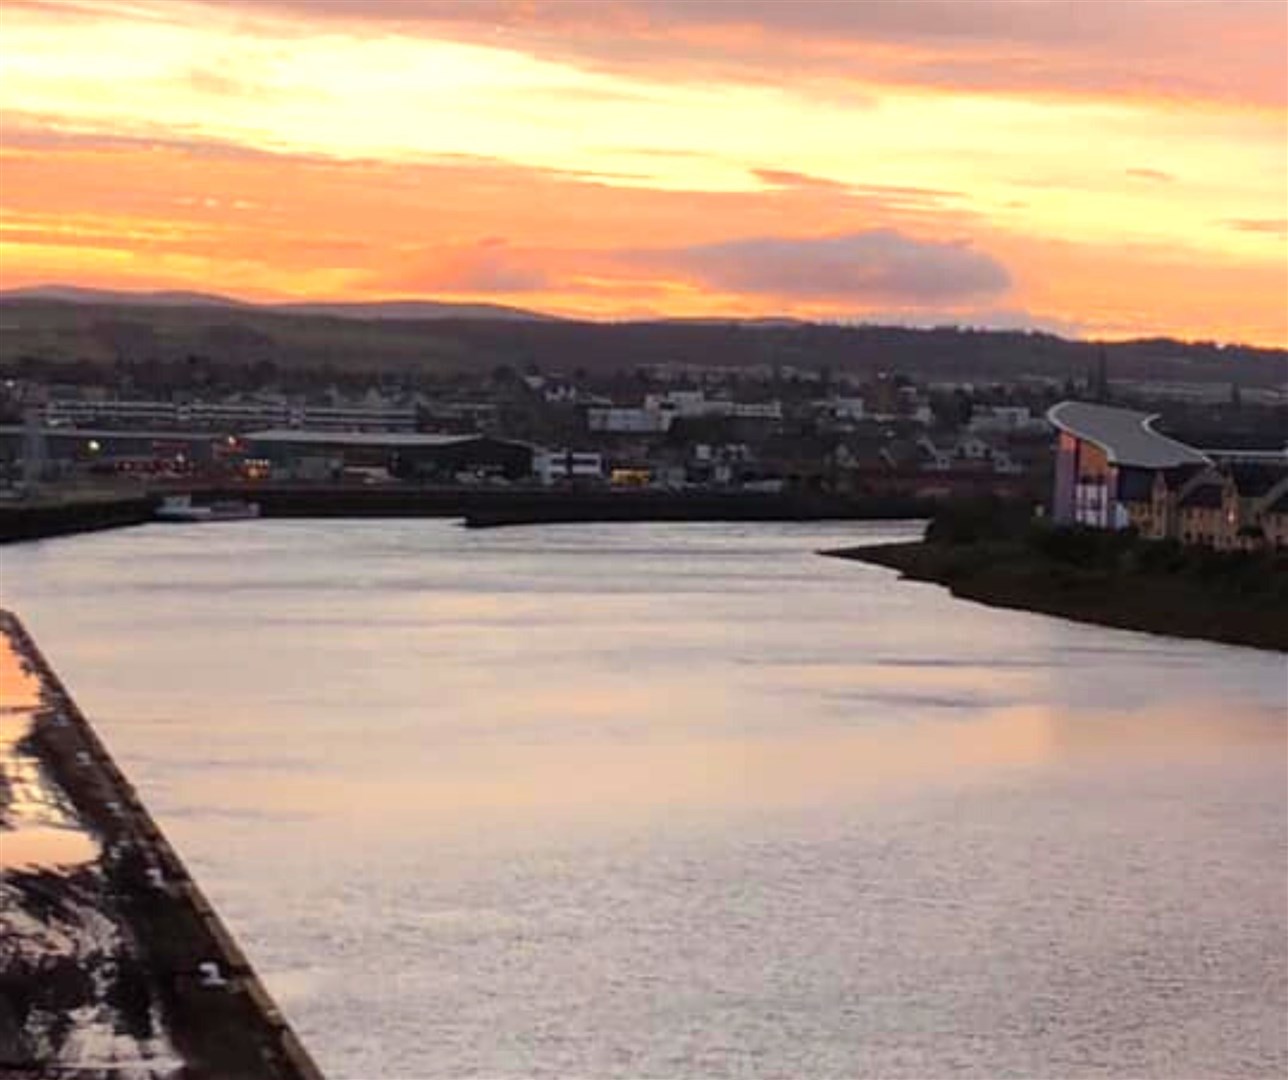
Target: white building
{"points": [[1006, 419], [660, 411], [634, 421], [764, 410], [551, 466], [227, 415], [841, 408], [679, 403]]}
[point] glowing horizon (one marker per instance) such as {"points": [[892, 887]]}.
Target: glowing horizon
{"points": [[1116, 173]]}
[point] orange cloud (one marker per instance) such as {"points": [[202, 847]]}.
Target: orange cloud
{"points": [[488, 267], [863, 268], [1172, 49], [988, 161]]}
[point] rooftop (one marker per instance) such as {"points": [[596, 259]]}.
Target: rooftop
{"points": [[354, 438], [1254, 479], [1126, 437], [156, 434], [1205, 496], [1176, 478]]}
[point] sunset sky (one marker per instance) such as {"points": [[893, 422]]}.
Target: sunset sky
{"points": [[1093, 168]]}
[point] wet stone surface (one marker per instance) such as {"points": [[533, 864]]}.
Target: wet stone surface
{"points": [[75, 992], [111, 962]]}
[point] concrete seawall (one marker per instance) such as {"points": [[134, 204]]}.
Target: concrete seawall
{"points": [[36, 520], [217, 1015]]}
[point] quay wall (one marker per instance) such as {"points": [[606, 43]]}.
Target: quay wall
{"points": [[231, 1030], [36, 520]]}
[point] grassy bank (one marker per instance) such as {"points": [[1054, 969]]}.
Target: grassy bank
{"points": [[995, 555]]}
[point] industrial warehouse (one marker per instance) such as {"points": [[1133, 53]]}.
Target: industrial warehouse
{"points": [[276, 453]]}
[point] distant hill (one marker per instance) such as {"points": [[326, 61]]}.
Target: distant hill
{"points": [[76, 294], [383, 309], [412, 309], [716, 320], [62, 325]]}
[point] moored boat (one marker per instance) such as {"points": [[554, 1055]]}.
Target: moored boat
{"points": [[181, 508]]}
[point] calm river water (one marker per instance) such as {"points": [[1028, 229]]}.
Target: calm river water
{"points": [[688, 801]]}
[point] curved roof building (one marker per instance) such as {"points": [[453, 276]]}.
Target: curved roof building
{"points": [[1105, 457], [1125, 437]]}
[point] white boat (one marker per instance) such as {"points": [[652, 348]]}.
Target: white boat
{"points": [[182, 509]]}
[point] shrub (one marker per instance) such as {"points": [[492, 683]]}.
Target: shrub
{"points": [[979, 520], [1076, 545]]}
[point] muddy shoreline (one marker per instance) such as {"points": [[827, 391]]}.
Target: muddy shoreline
{"points": [[1009, 575], [112, 964]]}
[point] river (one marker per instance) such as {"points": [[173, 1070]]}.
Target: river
{"points": [[687, 801]]}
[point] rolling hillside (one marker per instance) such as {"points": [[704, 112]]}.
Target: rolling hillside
{"points": [[86, 326]]}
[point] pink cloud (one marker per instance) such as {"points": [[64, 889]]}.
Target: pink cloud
{"points": [[1233, 52], [877, 266], [1274, 226], [489, 266]]}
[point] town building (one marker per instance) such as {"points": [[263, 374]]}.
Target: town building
{"points": [[566, 466], [1005, 419], [227, 416], [1113, 471], [660, 411], [1274, 519], [318, 455], [52, 453], [1160, 519], [1200, 516], [1247, 492], [1106, 458], [626, 420]]}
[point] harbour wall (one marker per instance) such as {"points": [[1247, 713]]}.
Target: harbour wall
{"points": [[39, 519], [216, 1011]]}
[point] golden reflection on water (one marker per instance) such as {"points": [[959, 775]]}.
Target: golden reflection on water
{"points": [[19, 688], [1190, 730], [35, 829], [44, 846], [593, 781], [940, 678]]}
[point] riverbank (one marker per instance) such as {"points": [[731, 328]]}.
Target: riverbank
{"points": [[112, 961], [1207, 595], [478, 507], [556, 507], [66, 515]]}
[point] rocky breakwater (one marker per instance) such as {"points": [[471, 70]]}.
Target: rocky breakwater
{"points": [[112, 962]]}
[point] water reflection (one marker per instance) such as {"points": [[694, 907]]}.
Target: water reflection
{"points": [[594, 777], [43, 847], [19, 688], [674, 801], [36, 829]]}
